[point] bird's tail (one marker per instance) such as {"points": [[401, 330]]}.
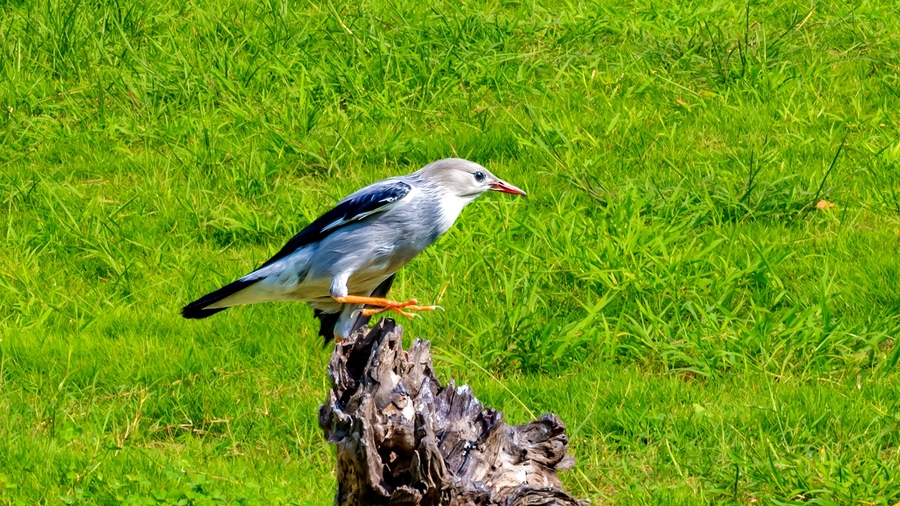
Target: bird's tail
{"points": [[200, 307]]}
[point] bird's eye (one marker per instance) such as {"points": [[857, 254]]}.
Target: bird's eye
{"points": [[479, 176]]}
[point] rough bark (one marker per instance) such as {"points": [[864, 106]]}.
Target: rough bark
{"points": [[403, 439]]}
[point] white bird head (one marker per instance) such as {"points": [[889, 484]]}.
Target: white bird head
{"points": [[463, 178]]}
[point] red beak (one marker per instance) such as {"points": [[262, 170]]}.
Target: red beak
{"points": [[503, 186]]}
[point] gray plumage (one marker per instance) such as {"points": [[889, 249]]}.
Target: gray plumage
{"points": [[360, 244]]}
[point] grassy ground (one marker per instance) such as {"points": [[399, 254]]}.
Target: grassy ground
{"points": [[669, 287]]}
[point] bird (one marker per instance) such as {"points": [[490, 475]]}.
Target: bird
{"points": [[343, 263]]}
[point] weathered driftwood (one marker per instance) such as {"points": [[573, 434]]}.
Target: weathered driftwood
{"points": [[402, 438]]}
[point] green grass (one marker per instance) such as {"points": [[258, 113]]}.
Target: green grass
{"points": [[669, 287]]}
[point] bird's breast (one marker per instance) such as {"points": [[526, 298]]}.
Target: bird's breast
{"points": [[450, 207]]}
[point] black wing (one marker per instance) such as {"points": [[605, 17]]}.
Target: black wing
{"points": [[358, 206]]}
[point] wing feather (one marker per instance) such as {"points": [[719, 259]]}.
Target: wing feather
{"points": [[371, 200]]}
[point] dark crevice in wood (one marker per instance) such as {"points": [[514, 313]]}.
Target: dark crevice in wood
{"points": [[403, 439]]}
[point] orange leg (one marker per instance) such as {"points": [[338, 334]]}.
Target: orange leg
{"points": [[383, 305]]}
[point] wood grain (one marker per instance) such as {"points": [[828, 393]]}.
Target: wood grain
{"points": [[403, 439]]}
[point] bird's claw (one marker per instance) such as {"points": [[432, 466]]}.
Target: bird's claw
{"points": [[399, 309], [377, 310], [382, 305]]}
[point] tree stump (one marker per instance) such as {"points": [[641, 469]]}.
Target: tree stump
{"points": [[403, 439]]}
